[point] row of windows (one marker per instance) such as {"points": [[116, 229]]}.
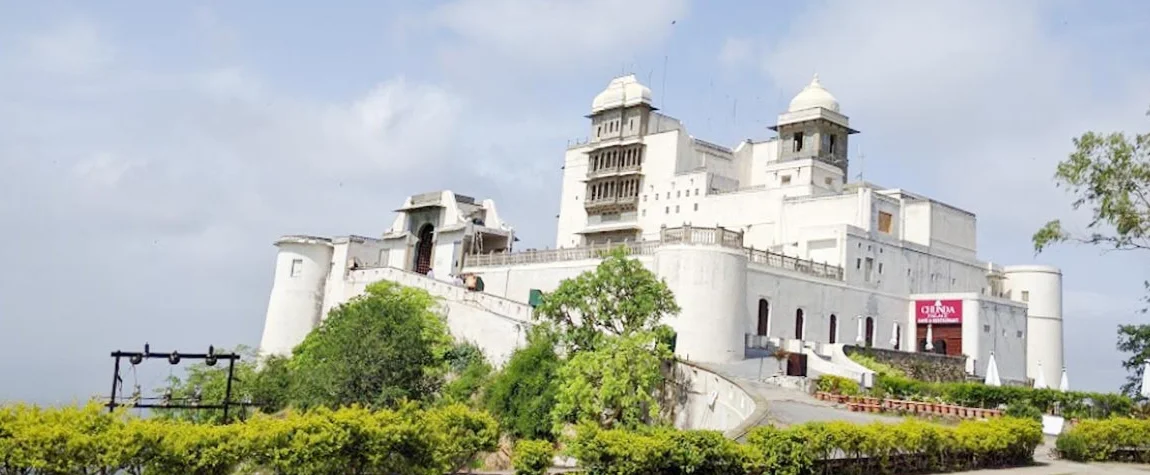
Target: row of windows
{"points": [[678, 194], [607, 159], [610, 189], [833, 326], [613, 126], [667, 210], [798, 139]]}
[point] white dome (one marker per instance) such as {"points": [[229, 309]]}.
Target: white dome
{"points": [[621, 91], [814, 95]]}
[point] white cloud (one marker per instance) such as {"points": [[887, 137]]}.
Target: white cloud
{"points": [[72, 47], [560, 34], [736, 52]]}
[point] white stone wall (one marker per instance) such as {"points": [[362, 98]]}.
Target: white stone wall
{"points": [[297, 295], [1043, 296]]}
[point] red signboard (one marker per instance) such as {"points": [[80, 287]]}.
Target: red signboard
{"points": [[938, 311]]}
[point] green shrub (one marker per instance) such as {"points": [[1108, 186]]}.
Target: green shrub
{"points": [[825, 447], [1023, 410], [1072, 404], [349, 440], [1117, 439], [873, 364], [533, 457], [837, 385]]}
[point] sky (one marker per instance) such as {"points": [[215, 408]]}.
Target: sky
{"points": [[151, 152]]}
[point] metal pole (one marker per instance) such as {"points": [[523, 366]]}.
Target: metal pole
{"points": [[228, 390], [115, 385]]}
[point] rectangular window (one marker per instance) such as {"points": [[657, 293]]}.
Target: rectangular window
{"points": [[884, 221], [676, 209], [667, 210], [830, 143], [1025, 295], [858, 263], [880, 268], [383, 256], [786, 179], [869, 268], [296, 267], [696, 206], [797, 142], [828, 180]]}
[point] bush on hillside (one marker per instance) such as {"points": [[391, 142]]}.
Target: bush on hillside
{"points": [[533, 457]]}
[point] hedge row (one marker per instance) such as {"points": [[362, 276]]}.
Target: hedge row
{"points": [[1071, 404], [349, 440], [814, 448], [1118, 439]]}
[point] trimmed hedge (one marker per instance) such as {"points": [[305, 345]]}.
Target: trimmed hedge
{"points": [[1118, 439], [815, 448], [349, 440], [1072, 404]]}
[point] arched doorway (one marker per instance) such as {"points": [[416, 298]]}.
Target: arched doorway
{"points": [[799, 324], [834, 329], [423, 248], [764, 317], [869, 331]]}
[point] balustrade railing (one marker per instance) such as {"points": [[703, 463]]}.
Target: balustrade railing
{"points": [[680, 235]]}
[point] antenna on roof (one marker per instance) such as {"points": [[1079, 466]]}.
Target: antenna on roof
{"points": [[862, 163]]}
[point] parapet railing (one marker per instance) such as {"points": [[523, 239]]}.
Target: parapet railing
{"points": [[717, 236]]}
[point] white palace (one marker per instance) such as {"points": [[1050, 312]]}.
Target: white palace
{"points": [[764, 244]]}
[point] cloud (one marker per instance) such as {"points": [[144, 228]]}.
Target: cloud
{"points": [[736, 52], [73, 47], [562, 34]]}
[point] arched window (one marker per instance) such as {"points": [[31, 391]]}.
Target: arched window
{"points": [[869, 331], [799, 324], [764, 316], [834, 329]]}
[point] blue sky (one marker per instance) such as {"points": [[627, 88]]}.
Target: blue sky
{"points": [[152, 151]]}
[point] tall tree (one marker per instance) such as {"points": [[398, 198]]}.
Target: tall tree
{"points": [[522, 395], [1110, 175], [377, 349], [620, 297]]}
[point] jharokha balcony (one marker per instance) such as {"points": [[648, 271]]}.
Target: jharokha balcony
{"points": [[667, 236]]}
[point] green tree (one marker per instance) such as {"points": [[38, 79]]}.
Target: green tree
{"points": [[1110, 175], [376, 350], [469, 372], [614, 385], [620, 297], [522, 394]]}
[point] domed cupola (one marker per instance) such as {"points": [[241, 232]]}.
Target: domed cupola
{"points": [[623, 91], [812, 96]]}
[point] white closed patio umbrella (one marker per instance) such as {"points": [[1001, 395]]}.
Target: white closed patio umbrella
{"points": [[1145, 390], [929, 337], [992, 378], [1040, 378], [1064, 385]]}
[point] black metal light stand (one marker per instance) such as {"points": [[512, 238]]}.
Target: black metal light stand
{"points": [[174, 358]]}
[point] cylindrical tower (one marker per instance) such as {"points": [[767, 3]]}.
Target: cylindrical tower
{"points": [[302, 266], [710, 286], [1040, 287]]}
